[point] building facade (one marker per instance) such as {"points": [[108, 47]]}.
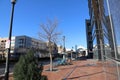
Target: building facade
{"points": [[105, 21], [89, 38], [21, 44]]}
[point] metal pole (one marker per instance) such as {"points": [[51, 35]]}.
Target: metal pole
{"points": [[76, 51], [71, 52], [63, 47], [64, 43], [113, 36], [10, 34]]}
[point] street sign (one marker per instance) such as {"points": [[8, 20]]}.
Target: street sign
{"points": [[7, 44]]}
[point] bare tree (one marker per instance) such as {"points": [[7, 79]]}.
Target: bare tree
{"points": [[50, 34]]}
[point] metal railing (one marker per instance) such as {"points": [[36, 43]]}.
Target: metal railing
{"points": [[115, 63]]}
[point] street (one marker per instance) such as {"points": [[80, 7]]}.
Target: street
{"points": [[2, 68]]}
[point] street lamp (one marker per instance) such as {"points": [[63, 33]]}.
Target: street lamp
{"points": [[71, 52], [63, 47], [64, 43], [9, 39]]}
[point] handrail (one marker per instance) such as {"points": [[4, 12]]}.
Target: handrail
{"points": [[113, 59]]}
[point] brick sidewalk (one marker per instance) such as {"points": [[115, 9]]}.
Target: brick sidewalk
{"points": [[80, 70]]}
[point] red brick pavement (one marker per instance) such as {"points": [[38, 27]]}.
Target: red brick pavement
{"points": [[80, 70]]}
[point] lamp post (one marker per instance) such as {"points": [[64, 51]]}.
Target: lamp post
{"points": [[76, 50], [63, 47], [64, 43], [71, 52], [9, 39]]}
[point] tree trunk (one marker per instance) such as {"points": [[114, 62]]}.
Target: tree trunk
{"points": [[50, 52], [51, 66]]}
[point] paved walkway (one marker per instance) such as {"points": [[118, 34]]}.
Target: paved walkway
{"points": [[80, 70]]}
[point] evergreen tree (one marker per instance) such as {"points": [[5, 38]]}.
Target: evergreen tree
{"points": [[27, 68]]}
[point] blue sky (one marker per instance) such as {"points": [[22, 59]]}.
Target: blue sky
{"points": [[29, 14]]}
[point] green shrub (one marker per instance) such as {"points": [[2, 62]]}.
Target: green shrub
{"points": [[27, 68]]}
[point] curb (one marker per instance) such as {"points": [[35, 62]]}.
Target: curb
{"points": [[2, 76]]}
